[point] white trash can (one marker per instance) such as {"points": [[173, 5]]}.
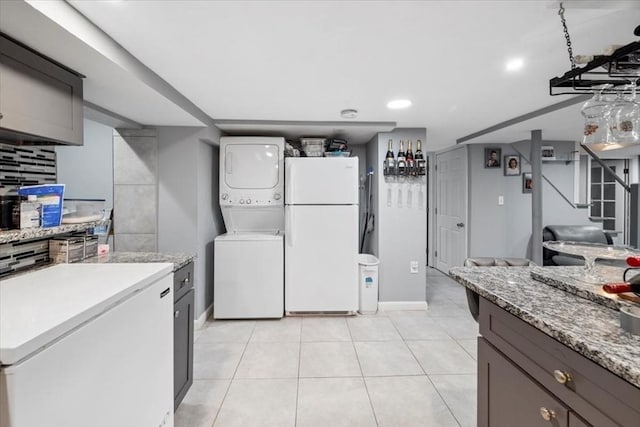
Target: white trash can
{"points": [[368, 275]]}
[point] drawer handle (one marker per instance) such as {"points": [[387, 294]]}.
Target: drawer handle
{"points": [[547, 414], [176, 314], [561, 376]]}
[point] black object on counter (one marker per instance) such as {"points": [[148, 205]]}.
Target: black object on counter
{"points": [[6, 211]]}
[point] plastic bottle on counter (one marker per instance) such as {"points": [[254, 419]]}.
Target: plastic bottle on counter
{"points": [[28, 213]]}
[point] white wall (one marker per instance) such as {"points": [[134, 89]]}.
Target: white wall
{"points": [[87, 171], [400, 231], [505, 231], [210, 222], [188, 212]]}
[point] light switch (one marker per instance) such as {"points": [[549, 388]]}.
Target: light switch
{"points": [[500, 200], [413, 267]]}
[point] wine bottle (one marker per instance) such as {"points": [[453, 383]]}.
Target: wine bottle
{"points": [[411, 164], [402, 160], [421, 164], [389, 160], [616, 288]]}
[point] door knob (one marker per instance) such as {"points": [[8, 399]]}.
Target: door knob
{"points": [[460, 224]]}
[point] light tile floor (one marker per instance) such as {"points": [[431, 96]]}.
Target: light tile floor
{"points": [[397, 368]]}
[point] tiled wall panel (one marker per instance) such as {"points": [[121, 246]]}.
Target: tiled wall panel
{"points": [[135, 190], [25, 165], [20, 166]]}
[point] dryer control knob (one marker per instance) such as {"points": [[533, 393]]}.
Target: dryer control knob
{"points": [[224, 196], [242, 201], [248, 201], [277, 196]]}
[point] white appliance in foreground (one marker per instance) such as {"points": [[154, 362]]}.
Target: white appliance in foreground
{"points": [[321, 235], [249, 258], [87, 345]]}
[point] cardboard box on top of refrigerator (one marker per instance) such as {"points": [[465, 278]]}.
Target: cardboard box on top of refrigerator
{"points": [[50, 196]]}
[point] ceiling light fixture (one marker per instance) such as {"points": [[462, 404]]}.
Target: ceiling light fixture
{"points": [[398, 104], [515, 64], [349, 113]]}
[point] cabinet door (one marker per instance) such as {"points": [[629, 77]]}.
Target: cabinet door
{"points": [[574, 421], [183, 346], [40, 99], [508, 397]]}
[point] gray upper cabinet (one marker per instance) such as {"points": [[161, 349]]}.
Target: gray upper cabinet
{"points": [[40, 100]]}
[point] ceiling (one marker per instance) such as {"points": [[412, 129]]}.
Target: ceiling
{"points": [[294, 65]]}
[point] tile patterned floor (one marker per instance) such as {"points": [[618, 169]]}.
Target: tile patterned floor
{"points": [[397, 368]]}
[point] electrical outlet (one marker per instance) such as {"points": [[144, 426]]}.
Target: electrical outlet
{"points": [[500, 200], [413, 267]]}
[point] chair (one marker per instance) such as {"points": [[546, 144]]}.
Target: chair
{"points": [[571, 233], [473, 299]]}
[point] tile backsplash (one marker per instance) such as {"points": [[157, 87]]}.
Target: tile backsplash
{"points": [[25, 165], [20, 166]]}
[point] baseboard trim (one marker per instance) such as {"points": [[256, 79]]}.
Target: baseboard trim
{"points": [[402, 305], [199, 323]]}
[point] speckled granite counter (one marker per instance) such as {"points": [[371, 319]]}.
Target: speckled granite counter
{"points": [[590, 329], [178, 260], [8, 236]]}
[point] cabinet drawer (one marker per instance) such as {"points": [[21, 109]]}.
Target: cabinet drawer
{"points": [[182, 281], [509, 397], [597, 395]]}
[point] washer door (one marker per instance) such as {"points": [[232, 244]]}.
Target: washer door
{"points": [[251, 166]]}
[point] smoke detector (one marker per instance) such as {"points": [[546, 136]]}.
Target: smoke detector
{"points": [[349, 113]]}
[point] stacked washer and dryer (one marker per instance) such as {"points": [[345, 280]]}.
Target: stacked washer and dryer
{"points": [[249, 257], [314, 269]]}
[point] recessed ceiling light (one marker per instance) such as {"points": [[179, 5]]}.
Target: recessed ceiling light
{"points": [[397, 104], [515, 64], [349, 113]]}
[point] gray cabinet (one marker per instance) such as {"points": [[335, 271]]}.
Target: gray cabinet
{"points": [[527, 378], [40, 100], [510, 397], [183, 324]]}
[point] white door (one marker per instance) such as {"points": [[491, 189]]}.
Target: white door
{"points": [[321, 267], [451, 209]]}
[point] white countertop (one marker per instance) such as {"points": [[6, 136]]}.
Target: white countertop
{"points": [[37, 308]]}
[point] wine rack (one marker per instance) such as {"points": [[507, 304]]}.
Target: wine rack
{"points": [[404, 164]]}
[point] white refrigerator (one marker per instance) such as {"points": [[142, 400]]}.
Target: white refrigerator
{"points": [[321, 234]]}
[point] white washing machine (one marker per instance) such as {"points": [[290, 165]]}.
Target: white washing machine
{"points": [[249, 258], [248, 276]]}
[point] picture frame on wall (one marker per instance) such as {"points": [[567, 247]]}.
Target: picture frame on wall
{"points": [[511, 165], [492, 157], [548, 152], [527, 182]]}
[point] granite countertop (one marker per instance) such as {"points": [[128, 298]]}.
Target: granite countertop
{"points": [[591, 329], [9, 236], [179, 260]]}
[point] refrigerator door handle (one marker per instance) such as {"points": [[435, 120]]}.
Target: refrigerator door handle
{"points": [[229, 163], [289, 171], [289, 227]]}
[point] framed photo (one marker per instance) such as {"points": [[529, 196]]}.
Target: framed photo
{"points": [[527, 182], [548, 153], [511, 165], [492, 157]]}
